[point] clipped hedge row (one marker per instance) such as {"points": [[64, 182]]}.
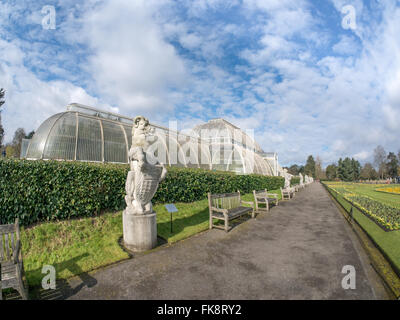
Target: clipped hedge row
{"points": [[294, 181], [188, 185], [51, 190]]}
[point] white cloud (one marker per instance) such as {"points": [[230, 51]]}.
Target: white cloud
{"points": [[132, 65], [363, 155], [279, 69]]}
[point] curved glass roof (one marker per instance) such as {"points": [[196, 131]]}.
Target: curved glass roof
{"points": [[220, 130], [86, 134]]}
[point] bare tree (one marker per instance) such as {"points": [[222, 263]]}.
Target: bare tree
{"points": [[17, 141], [319, 173], [368, 172], [380, 160]]}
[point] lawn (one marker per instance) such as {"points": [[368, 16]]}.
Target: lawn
{"points": [[382, 207], [370, 191], [82, 245], [387, 241]]}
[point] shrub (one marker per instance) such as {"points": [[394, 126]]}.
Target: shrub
{"points": [[52, 190], [294, 181]]}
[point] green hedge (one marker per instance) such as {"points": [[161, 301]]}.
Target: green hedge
{"points": [[294, 181], [50, 190]]}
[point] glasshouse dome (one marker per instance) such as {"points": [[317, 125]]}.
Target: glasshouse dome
{"points": [[82, 133]]}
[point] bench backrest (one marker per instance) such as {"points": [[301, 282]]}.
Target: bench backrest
{"points": [[9, 235], [261, 193], [225, 200]]}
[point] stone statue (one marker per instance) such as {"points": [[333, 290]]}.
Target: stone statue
{"points": [[301, 179], [143, 177], [139, 219], [288, 177]]}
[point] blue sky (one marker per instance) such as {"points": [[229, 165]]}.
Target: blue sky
{"points": [[288, 70]]}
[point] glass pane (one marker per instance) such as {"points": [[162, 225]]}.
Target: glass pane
{"points": [[62, 139], [236, 162], [24, 147], [157, 150], [204, 156], [89, 140], [36, 147], [114, 143], [190, 150], [175, 153]]}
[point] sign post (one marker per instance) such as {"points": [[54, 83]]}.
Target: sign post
{"points": [[171, 208]]}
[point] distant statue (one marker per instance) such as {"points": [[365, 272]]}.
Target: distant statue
{"points": [[288, 177], [143, 177], [301, 179]]}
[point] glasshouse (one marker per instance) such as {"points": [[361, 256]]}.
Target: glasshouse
{"points": [[83, 133]]}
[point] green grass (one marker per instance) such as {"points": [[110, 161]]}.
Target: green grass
{"points": [[72, 246], [82, 245], [388, 242], [369, 190]]}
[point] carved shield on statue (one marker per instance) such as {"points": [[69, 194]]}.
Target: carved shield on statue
{"points": [[147, 183]]}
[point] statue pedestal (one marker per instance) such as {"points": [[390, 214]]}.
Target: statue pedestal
{"points": [[140, 231]]}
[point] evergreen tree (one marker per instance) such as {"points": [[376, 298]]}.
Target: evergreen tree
{"points": [[392, 164], [30, 135], [346, 169], [309, 168], [355, 169], [294, 169], [331, 171]]}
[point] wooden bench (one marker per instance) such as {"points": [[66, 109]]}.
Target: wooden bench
{"points": [[287, 194], [226, 207], [12, 268], [263, 197]]}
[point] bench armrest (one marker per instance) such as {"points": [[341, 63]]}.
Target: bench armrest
{"points": [[17, 251]]}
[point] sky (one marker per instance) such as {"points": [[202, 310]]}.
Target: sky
{"points": [[309, 77]]}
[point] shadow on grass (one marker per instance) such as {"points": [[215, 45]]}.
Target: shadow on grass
{"points": [[63, 289], [200, 217], [182, 222]]}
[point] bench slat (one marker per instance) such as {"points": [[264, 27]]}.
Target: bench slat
{"points": [[12, 242], [7, 228], [7, 245], [224, 195], [1, 248]]}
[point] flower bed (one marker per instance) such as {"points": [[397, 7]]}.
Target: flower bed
{"points": [[392, 190], [385, 216]]}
